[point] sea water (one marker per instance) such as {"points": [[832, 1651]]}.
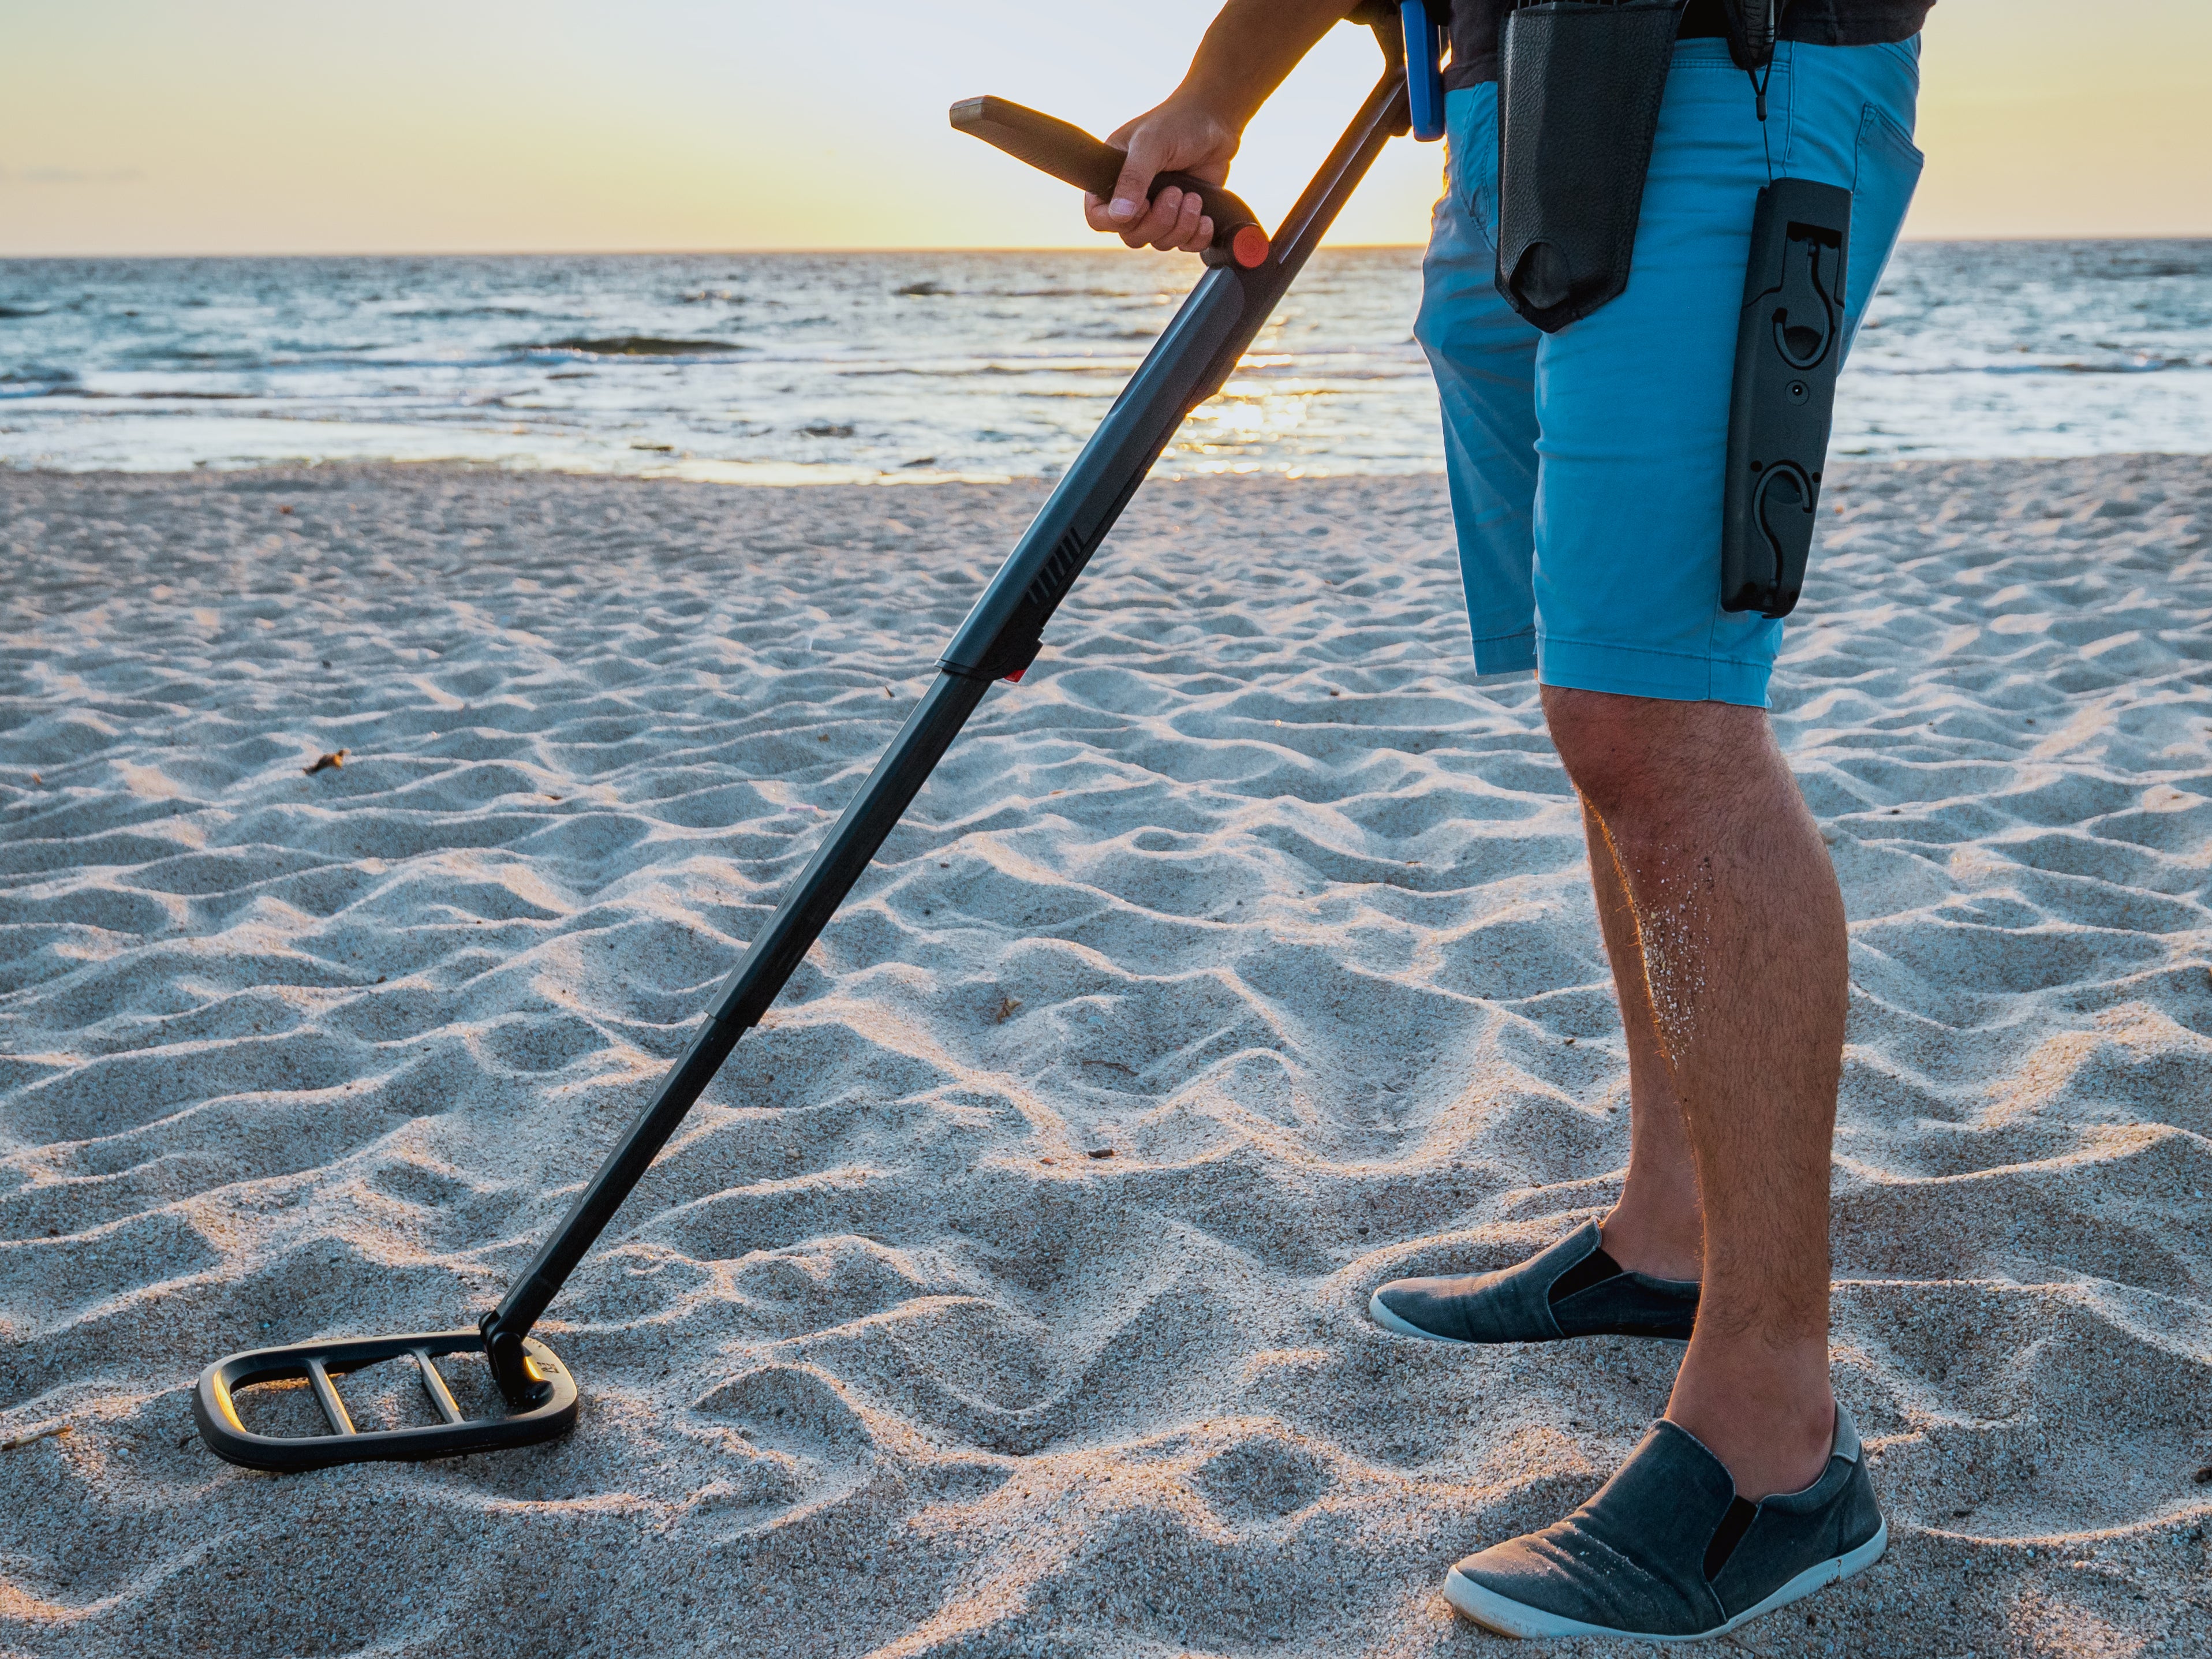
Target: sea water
{"points": [[797, 368]]}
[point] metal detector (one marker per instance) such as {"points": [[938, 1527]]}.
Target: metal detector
{"points": [[1247, 273]]}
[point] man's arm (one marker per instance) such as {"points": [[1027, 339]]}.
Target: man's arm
{"points": [[1247, 52]]}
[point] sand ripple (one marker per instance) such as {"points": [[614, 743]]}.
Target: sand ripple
{"points": [[1004, 1295]]}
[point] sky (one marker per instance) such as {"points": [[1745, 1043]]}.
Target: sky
{"points": [[248, 126]]}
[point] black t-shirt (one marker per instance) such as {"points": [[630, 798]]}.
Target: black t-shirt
{"points": [[1475, 25]]}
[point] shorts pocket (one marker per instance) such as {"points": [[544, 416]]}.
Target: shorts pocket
{"points": [[1471, 157], [1885, 173]]}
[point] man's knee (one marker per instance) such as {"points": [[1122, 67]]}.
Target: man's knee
{"points": [[1640, 759]]}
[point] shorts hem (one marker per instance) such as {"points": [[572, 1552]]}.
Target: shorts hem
{"points": [[1505, 653], [1582, 665]]}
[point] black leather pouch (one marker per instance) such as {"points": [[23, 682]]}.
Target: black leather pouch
{"points": [[1579, 86], [1789, 349]]}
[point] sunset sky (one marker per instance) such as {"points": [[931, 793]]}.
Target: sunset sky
{"points": [[248, 126]]}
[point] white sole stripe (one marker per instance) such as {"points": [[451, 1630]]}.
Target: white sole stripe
{"points": [[1390, 1322], [1506, 1617]]}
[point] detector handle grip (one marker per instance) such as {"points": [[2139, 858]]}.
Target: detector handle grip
{"points": [[1074, 157]]}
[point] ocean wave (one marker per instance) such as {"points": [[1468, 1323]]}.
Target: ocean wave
{"points": [[1145, 295], [1101, 333], [89, 394], [199, 359], [957, 371], [36, 380], [1899, 371], [1971, 349], [640, 345], [457, 313]]}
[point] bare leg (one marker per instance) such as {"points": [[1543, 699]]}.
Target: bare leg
{"points": [[1745, 956], [1657, 1227]]}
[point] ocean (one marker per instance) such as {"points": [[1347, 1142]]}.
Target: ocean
{"points": [[782, 369]]}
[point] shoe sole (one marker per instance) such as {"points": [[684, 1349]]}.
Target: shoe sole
{"points": [[1390, 1322], [1507, 1617]]}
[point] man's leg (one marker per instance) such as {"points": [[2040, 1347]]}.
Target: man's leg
{"points": [[1754, 1489], [1742, 940], [1656, 1228], [1653, 1233]]}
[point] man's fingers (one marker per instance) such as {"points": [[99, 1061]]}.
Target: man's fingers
{"points": [[1157, 221], [1126, 207], [1143, 214], [1178, 234], [1179, 212]]}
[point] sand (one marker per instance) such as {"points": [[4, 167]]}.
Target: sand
{"points": [[1251, 885]]}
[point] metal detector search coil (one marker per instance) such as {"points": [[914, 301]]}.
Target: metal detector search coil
{"points": [[553, 1412], [1248, 272]]}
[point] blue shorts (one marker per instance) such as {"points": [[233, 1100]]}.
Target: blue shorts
{"points": [[1585, 466]]}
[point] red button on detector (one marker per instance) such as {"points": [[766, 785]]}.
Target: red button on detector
{"points": [[1249, 247]]}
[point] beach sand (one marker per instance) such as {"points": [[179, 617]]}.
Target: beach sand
{"points": [[1005, 1295]]}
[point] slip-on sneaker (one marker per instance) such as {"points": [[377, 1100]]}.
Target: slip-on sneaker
{"points": [[1573, 1289], [1667, 1553]]}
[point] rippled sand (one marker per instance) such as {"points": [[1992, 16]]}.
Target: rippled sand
{"points": [[1005, 1295]]}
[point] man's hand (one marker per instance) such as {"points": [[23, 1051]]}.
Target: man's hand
{"points": [[1246, 53], [1179, 136]]}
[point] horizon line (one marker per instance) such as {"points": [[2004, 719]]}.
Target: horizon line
{"points": [[819, 252]]}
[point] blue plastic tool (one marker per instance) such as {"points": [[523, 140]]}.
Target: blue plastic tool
{"points": [[1424, 68]]}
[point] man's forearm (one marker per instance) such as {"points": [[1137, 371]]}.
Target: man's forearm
{"points": [[1248, 51]]}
